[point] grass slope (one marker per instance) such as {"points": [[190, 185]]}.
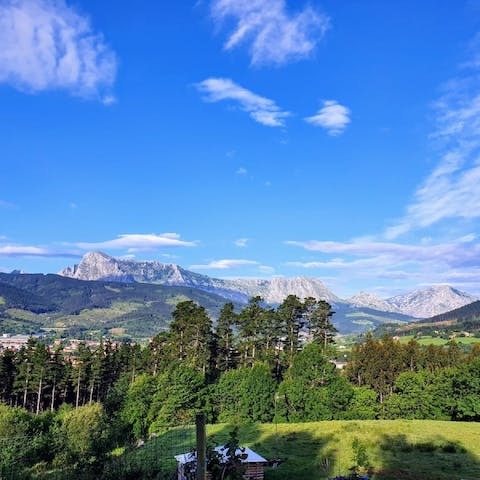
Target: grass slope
{"points": [[397, 449]]}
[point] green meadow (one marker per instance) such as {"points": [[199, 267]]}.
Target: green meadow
{"points": [[429, 340], [386, 450]]}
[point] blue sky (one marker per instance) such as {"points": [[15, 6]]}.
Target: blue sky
{"points": [[336, 140]]}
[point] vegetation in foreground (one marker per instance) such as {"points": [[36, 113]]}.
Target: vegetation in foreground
{"points": [[385, 450], [254, 367]]}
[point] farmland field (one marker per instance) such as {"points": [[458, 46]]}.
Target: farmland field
{"points": [[428, 340]]}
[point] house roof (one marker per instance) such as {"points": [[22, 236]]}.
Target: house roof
{"points": [[252, 457]]}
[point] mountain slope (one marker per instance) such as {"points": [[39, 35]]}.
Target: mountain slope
{"points": [[431, 301], [135, 310], [369, 300], [422, 303], [467, 312], [100, 266]]}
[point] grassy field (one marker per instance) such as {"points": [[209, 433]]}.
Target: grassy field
{"points": [[428, 340], [400, 449]]}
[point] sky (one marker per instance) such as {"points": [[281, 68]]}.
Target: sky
{"points": [[245, 138]]}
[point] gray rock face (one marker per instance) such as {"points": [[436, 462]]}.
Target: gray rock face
{"points": [[431, 301], [423, 303], [100, 266], [370, 300]]}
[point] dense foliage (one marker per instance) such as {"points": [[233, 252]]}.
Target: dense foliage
{"points": [[259, 365]]}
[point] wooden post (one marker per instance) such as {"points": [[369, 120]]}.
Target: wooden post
{"points": [[201, 447]]}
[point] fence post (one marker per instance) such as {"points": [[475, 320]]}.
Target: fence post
{"points": [[201, 447]]}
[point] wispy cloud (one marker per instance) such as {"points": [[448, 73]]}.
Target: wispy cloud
{"points": [[4, 204], [461, 252], [333, 117], [453, 262], [46, 44], [138, 242], [241, 242], [241, 171], [225, 264], [451, 191], [273, 35], [32, 251], [261, 109]]}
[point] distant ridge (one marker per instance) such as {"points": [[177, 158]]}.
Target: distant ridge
{"points": [[422, 303], [100, 266]]}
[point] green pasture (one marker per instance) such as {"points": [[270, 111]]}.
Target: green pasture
{"points": [[397, 449]]}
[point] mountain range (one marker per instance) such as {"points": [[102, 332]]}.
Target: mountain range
{"points": [[100, 266], [420, 303], [134, 299]]}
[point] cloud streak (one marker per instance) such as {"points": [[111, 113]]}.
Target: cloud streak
{"points": [[332, 117], [241, 242], [462, 252], [451, 190], [225, 264], [139, 242], [272, 34], [46, 45], [454, 262], [32, 251], [261, 109], [8, 205]]}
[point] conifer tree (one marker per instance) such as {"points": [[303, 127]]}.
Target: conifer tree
{"points": [[225, 346]]}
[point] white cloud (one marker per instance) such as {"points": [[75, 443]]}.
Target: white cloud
{"points": [[274, 35], [455, 262], [241, 242], [333, 117], [32, 251], [138, 242], [241, 171], [455, 253], [169, 255], [261, 109], [224, 264], [45, 44], [451, 190], [266, 269]]}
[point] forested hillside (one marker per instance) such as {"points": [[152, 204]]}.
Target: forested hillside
{"points": [[76, 307]]}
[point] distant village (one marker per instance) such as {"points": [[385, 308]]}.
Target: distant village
{"points": [[69, 345]]}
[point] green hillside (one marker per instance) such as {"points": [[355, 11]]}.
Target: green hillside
{"points": [[462, 323], [66, 305], [462, 314]]}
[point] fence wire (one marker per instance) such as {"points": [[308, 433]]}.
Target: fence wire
{"points": [[152, 459]]}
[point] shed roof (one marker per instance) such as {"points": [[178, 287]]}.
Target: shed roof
{"points": [[252, 457]]}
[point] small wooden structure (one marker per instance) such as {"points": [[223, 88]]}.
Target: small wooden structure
{"points": [[255, 463]]}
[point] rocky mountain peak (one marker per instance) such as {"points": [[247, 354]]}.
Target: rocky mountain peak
{"points": [[373, 301], [430, 301]]}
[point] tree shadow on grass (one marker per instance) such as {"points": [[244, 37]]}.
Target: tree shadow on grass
{"points": [[320, 451], [316, 452], [299, 453], [435, 458]]}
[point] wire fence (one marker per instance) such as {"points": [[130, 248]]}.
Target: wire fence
{"points": [[152, 459]]}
